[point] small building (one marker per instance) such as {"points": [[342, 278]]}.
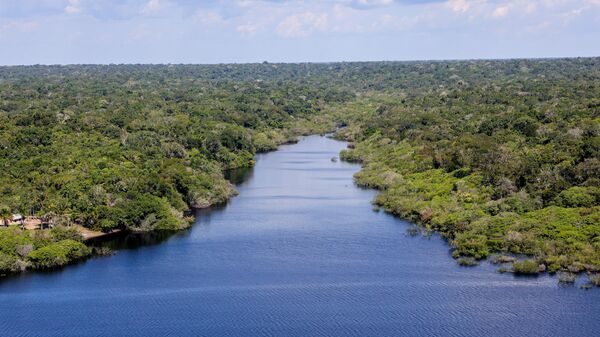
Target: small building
{"points": [[19, 219]]}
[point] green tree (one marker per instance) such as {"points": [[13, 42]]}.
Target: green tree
{"points": [[5, 215]]}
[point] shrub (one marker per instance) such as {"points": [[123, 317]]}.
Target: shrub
{"points": [[102, 251], [577, 197], [107, 225], [11, 238], [502, 259], [467, 262], [58, 254], [23, 250], [60, 233], [595, 279], [8, 263], [469, 244], [526, 267], [553, 267], [350, 156], [144, 213], [567, 278], [262, 143]]}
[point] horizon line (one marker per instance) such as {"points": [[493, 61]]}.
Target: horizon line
{"points": [[306, 62]]}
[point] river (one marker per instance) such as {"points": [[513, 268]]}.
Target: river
{"points": [[300, 252]]}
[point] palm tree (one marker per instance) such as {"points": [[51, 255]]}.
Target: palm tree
{"points": [[5, 215]]}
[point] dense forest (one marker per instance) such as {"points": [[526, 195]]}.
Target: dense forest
{"points": [[501, 157], [133, 147]]}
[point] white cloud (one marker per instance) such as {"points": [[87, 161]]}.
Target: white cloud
{"points": [[374, 2], [301, 25], [208, 17], [390, 22], [370, 3], [22, 26], [248, 29], [73, 7], [152, 6], [458, 5], [500, 11]]}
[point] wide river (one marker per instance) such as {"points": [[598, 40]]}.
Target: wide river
{"points": [[300, 252]]}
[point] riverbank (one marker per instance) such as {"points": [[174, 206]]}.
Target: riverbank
{"points": [[301, 251], [137, 156], [22, 239], [514, 230]]}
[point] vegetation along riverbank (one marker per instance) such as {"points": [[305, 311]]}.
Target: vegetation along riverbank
{"points": [[133, 147], [501, 157]]}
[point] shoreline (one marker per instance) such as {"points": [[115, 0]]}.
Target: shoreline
{"points": [[90, 237], [93, 238], [504, 260]]}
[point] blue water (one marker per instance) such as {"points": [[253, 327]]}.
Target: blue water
{"points": [[299, 253]]}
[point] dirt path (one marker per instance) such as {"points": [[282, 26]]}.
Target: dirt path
{"points": [[33, 223]]}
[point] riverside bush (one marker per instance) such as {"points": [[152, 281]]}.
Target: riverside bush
{"points": [[526, 267], [58, 254]]}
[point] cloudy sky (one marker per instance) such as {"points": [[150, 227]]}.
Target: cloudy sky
{"points": [[218, 31]]}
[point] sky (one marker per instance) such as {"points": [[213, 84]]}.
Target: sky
{"points": [[242, 31]]}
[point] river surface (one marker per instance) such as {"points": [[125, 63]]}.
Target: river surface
{"points": [[300, 252]]}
